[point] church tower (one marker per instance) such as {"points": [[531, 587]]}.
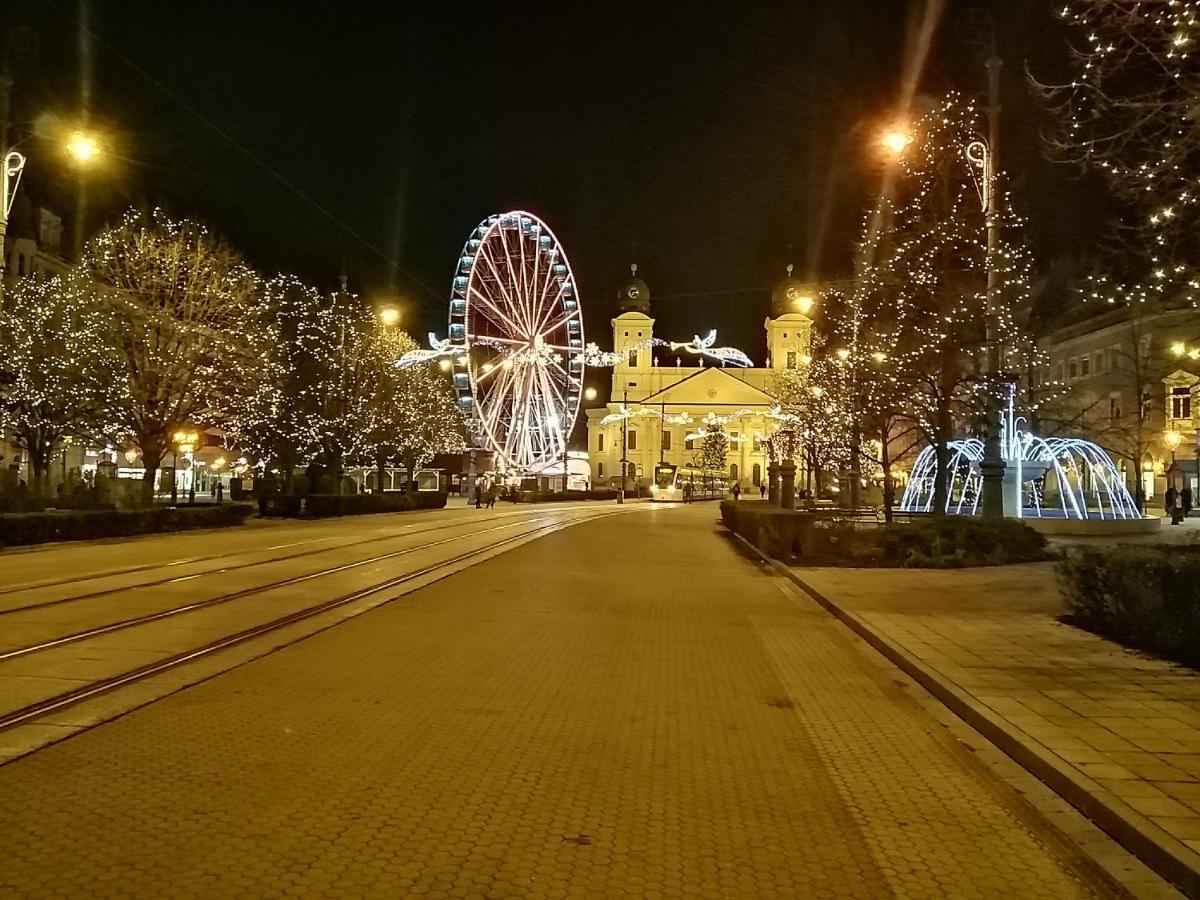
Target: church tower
{"points": [[789, 328], [632, 330]]}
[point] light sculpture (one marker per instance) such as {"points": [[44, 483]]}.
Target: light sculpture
{"points": [[1057, 477]]}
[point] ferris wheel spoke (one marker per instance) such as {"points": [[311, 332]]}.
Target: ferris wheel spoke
{"points": [[493, 313], [501, 288], [514, 284], [549, 308]]}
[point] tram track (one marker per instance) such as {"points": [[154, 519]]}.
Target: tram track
{"points": [[106, 684], [209, 602], [173, 578]]}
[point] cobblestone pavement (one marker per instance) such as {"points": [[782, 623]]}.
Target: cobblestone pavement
{"points": [[624, 709], [1128, 722]]}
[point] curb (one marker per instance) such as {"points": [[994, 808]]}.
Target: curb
{"points": [[1163, 853]]}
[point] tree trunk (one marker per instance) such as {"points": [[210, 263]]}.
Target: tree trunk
{"points": [[412, 476], [889, 486], [39, 468], [941, 436], [153, 449], [379, 473]]}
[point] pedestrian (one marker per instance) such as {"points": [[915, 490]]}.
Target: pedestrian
{"points": [[479, 489], [493, 493], [1185, 500], [1169, 499], [762, 491], [687, 492], [220, 492], [737, 491]]}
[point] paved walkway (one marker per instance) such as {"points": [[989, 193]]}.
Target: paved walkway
{"points": [[1126, 726], [627, 708]]}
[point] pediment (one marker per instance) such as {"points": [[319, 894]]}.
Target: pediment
{"points": [[710, 387]]}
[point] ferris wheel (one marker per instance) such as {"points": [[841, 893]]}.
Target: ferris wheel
{"points": [[517, 331]]}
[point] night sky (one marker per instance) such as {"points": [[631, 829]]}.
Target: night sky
{"points": [[710, 149]]}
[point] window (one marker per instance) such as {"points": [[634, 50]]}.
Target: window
{"points": [[756, 475], [666, 439], [1114, 407], [639, 334], [733, 472], [633, 359], [1114, 353], [1181, 403], [627, 334], [1085, 365], [689, 444], [735, 437], [1072, 370], [631, 439], [1098, 361], [791, 359], [600, 442]]}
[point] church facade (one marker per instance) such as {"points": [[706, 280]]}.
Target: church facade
{"points": [[666, 400]]}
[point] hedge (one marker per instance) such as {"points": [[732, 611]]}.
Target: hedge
{"points": [[828, 538], [321, 506], [1143, 597], [17, 529]]}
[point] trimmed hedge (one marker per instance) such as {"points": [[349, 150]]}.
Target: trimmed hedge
{"points": [[1143, 597], [827, 538], [17, 529], [322, 506]]}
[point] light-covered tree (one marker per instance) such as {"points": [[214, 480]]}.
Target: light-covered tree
{"points": [[714, 448], [425, 416], [56, 371], [183, 316], [1130, 108]]}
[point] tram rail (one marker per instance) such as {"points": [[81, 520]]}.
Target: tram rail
{"points": [[103, 685]]}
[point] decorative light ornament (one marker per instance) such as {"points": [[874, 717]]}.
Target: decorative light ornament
{"points": [[704, 347]]}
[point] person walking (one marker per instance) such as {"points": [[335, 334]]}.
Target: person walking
{"points": [[1169, 500], [1185, 500], [493, 493], [762, 490], [737, 491], [480, 487], [220, 492]]}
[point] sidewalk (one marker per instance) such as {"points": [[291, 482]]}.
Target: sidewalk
{"points": [[1117, 734]]}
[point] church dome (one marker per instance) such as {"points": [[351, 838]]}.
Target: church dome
{"points": [[792, 296], [634, 295]]}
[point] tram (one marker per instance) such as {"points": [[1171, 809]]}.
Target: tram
{"points": [[703, 484]]}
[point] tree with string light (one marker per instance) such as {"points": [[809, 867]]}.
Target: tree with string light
{"points": [[1130, 109], [182, 315], [56, 384], [932, 258], [714, 447]]}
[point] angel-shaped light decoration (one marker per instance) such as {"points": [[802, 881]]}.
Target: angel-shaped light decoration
{"points": [[704, 347], [440, 350], [625, 413]]}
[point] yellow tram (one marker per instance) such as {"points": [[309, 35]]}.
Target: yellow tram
{"points": [[671, 482]]}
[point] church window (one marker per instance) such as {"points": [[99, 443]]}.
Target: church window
{"points": [[666, 439], [639, 334], [631, 439], [689, 444], [1181, 403], [791, 359], [627, 334], [600, 443], [756, 475]]}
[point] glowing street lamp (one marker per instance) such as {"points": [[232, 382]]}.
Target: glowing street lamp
{"points": [[895, 141], [83, 147], [589, 393], [388, 315], [184, 442], [1172, 440]]}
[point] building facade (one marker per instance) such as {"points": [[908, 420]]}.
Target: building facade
{"points": [[1122, 379], [669, 393]]}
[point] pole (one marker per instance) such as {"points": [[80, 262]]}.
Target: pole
{"points": [[6, 84], [992, 466], [624, 442], [175, 479]]}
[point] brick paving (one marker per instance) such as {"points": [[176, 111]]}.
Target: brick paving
{"points": [[1129, 723], [624, 709]]}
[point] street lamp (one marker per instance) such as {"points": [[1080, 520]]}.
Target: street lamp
{"points": [[184, 442], [895, 141], [589, 394], [83, 147], [1172, 440], [388, 315]]}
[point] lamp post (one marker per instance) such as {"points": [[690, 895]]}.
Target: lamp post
{"points": [[1172, 440], [183, 442], [624, 443]]}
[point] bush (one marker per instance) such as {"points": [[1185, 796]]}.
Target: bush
{"points": [[829, 538], [320, 506], [81, 525], [1143, 597]]}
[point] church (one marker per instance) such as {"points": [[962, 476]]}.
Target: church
{"points": [[667, 400]]}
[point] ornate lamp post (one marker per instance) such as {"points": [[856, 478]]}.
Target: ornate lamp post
{"points": [[184, 442]]}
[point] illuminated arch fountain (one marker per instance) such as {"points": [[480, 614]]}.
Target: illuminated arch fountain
{"points": [[1058, 478]]}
